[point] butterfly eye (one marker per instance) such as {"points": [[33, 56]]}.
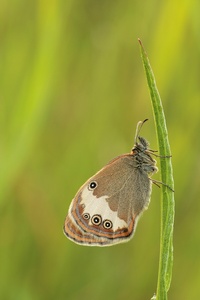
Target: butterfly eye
{"points": [[92, 185], [96, 220], [107, 224], [86, 216]]}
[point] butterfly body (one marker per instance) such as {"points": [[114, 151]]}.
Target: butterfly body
{"points": [[107, 207]]}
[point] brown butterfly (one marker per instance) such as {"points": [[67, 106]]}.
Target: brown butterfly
{"points": [[106, 209]]}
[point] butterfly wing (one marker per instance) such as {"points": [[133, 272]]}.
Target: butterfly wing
{"points": [[106, 208]]}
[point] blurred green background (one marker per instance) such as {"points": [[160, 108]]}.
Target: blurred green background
{"points": [[72, 88]]}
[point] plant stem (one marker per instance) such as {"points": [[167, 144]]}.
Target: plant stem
{"points": [[167, 203]]}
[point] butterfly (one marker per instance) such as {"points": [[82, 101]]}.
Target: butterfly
{"points": [[107, 207]]}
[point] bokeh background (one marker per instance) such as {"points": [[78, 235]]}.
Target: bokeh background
{"points": [[72, 88]]}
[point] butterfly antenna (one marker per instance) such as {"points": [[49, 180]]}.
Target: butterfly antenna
{"points": [[139, 126]]}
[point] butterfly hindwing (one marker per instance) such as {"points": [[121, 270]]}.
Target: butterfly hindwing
{"points": [[106, 208]]}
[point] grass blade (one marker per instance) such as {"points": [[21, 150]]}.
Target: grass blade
{"points": [[167, 203]]}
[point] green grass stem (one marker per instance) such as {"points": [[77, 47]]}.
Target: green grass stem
{"points": [[167, 203]]}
